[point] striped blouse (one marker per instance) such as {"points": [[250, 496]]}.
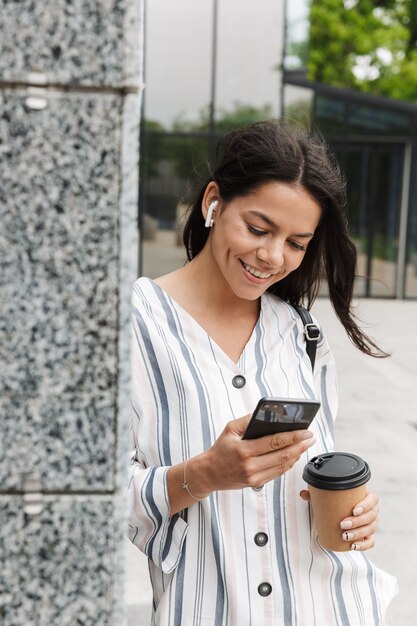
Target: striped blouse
{"points": [[241, 557]]}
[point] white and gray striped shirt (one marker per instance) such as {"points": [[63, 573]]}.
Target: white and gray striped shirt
{"points": [[209, 565]]}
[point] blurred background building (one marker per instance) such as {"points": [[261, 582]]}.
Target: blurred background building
{"points": [[210, 66], [330, 65]]}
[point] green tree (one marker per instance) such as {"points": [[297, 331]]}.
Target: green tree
{"points": [[241, 115], [300, 112], [364, 44]]}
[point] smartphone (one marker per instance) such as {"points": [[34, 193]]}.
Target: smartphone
{"points": [[277, 415]]}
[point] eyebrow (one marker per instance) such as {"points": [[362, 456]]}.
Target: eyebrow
{"points": [[271, 223]]}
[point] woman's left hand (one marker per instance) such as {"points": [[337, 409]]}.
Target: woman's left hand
{"points": [[359, 529]]}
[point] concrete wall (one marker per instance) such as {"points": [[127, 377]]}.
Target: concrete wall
{"points": [[70, 74]]}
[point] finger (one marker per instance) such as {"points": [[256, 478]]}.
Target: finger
{"points": [[274, 464], [370, 501], [261, 478], [365, 544], [359, 534], [238, 426], [359, 520], [281, 460], [305, 495], [368, 506], [279, 441], [292, 438]]}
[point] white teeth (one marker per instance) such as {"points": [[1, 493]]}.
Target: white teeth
{"points": [[254, 272]]}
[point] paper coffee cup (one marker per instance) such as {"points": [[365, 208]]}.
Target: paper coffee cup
{"points": [[337, 483]]}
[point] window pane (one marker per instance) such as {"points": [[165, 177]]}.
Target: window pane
{"points": [[356, 163], [330, 115], [178, 39], [370, 120], [411, 260], [387, 177], [171, 165], [374, 174], [249, 49], [297, 35], [298, 103]]}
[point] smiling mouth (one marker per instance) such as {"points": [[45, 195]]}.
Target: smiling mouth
{"points": [[254, 271]]}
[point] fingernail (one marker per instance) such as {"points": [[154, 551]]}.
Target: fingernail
{"points": [[346, 524], [358, 511], [307, 434], [347, 536], [355, 546]]}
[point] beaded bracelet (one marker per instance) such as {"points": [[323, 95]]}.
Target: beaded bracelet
{"points": [[185, 484]]}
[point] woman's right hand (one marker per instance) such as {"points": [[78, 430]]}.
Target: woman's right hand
{"points": [[236, 463]]}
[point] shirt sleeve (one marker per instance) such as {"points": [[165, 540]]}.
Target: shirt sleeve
{"points": [[151, 528]]}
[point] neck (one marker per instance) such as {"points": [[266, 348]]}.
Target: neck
{"points": [[212, 291]]}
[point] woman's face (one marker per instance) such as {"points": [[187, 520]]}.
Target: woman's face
{"points": [[259, 239]]}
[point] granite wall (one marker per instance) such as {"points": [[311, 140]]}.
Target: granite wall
{"points": [[70, 85]]}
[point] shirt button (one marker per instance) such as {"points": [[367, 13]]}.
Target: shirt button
{"points": [[257, 488], [238, 381], [264, 589], [261, 539]]}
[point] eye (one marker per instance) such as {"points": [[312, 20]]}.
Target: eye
{"points": [[256, 231], [297, 246]]}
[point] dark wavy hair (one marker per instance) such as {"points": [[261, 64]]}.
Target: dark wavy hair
{"points": [[268, 151]]}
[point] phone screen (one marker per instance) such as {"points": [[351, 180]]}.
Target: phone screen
{"points": [[273, 415]]}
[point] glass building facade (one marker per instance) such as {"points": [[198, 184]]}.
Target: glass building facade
{"points": [[375, 141], [210, 66], [213, 65]]}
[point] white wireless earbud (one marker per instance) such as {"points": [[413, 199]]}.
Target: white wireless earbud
{"points": [[209, 219]]}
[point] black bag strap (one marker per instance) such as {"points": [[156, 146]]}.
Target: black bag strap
{"points": [[311, 332]]}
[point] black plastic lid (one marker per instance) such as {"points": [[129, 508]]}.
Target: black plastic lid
{"points": [[336, 470]]}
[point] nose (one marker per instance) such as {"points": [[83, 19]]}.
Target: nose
{"points": [[272, 254]]}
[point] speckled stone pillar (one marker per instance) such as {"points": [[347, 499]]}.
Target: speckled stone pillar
{"points": [[70, 75]]}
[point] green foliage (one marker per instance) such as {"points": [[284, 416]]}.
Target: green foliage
{"points": [[241, 115], [300, 112], [383, 247], [187, 145], [370, 47], [299, 49]]}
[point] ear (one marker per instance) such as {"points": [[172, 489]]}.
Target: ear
{"points": [[208, 206]]}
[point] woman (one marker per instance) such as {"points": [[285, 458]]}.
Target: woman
{"points": [[224, 521]]}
